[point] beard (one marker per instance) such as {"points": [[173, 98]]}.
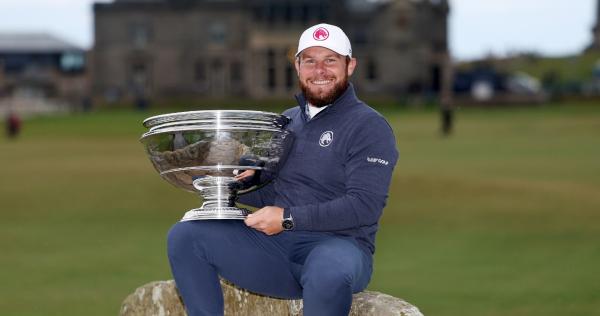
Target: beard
{"points": [[322, 98]]}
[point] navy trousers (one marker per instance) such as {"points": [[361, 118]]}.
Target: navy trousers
{"points": [[321, 268]]}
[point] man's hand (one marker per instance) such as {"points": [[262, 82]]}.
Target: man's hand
{"points": [[243, 175], [267, 220]]}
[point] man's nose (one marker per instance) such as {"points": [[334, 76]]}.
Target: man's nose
{"points": [[320, 67]]}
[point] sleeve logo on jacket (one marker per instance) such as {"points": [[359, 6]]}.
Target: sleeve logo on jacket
{"points": [[326, 138], [378, 160]]}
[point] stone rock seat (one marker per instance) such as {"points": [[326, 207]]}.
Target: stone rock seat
{"points": [[161, 298]]}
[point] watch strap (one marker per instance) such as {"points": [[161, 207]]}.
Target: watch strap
{"points": [[287, 213]]}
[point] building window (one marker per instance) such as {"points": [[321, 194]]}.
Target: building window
{"points": [[323, 10], [271, 69], [257, 12], [402, 21], [288, 13], [271, 79], [360, 36], [439, 46], [237, 74], [217, 65], [141, 34], [200, 71], [372, 74], [272, 9], [436, 78], [14, 63], [72, 62], [289, 76], [305, 15], [139, 78], [217, 33]]}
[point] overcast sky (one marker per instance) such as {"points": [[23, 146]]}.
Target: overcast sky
{"points": [[477, 27]]}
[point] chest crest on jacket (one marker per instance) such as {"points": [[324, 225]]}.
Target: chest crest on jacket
{"points": [[326, 138]]}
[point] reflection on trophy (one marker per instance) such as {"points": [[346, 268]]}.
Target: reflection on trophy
{"points": [[201, 151]]}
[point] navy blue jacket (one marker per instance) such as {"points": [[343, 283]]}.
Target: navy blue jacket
{"points": [[338, 171]]}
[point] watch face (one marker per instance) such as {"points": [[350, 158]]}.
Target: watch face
{"points": [[287, 224]]}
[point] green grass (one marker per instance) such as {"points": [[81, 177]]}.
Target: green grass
{"points": [[502, 218]]}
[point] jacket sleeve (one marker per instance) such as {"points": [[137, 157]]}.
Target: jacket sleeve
{"points": [[259, 198], [371, 157]]}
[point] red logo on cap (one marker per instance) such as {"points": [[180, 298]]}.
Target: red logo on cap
{"points": [[321, 34]]}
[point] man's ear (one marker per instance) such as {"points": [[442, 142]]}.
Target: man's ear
{"points": [[352, 63]]}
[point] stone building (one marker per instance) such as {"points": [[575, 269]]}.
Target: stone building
{"points": [[41, 65], [228, 48], [595, 45]]}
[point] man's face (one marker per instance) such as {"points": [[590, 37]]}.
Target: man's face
{"points": [[323, 74]]}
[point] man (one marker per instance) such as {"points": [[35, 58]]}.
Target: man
{"points": [[313, 236]]}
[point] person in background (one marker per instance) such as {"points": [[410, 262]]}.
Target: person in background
{"points": [[13, 124]]}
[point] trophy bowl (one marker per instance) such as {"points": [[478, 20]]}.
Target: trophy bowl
{"points": [[202, 151]]}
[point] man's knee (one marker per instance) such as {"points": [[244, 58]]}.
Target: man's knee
{"points": [[178, 237], [184, 235], [332, 277], [335, 265]]}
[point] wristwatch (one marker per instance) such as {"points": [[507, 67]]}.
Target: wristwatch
{"points": [[288, 222]]}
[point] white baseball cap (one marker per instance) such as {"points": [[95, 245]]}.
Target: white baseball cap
{"points": [[325, 35]]}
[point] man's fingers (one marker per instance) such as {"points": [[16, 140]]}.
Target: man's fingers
{"points": [[265, 220], [245, 174], [251, 220], [254, 219]]}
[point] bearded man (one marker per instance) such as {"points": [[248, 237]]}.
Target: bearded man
{"points": [[314, 234]]}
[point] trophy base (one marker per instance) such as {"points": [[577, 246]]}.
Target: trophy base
{"points": [[215, 213]]}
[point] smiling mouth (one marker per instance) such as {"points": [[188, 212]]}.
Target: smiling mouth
{"points": [[321, 82]]}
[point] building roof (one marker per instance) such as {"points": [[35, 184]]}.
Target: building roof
{"points": [[34, 43]]}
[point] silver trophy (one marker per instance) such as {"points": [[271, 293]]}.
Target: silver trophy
{"points": [[202, 151]]}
